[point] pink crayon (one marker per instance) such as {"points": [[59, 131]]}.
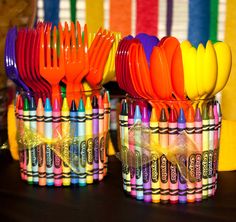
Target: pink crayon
{"points": [[173, 132], [198, 166], [56, 125]]}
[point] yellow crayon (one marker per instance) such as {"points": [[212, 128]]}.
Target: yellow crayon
{"points": [[89, 141], [65, 118], [155, 171]]}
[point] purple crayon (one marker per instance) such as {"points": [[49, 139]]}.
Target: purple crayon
{"points": [[147, 192], [132, 149], [181, 181], [95, 127]]}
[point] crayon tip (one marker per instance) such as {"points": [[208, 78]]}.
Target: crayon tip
{"points": [[100, 102], [40, 104], [145, 117], [26, 104], [198, 117], [211, 112], [131, 110], [153, 117], [81, 105], [73, 106], [95, 102], [88, 103], [124, 108], [20, 103], [163, 115], [190, 114], [137, 113], [181, 118], [65, 105], [215, 110], [105, 98], [108, 95], [32, 104], [47, 105], [56, 105], [172, 117], [219, 109], [205, 113]]}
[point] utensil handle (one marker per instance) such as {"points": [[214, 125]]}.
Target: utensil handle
{"points": [[56, 94]]}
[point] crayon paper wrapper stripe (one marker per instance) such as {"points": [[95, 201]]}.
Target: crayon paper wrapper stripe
{"points": [[147, 15], [94, 15], [229, 93], [120, 16]]}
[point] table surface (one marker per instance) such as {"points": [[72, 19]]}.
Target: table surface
{"points": [[105, 201]]}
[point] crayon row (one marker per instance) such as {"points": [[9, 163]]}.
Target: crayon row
{"points": [[159, 180], [79, 161]]}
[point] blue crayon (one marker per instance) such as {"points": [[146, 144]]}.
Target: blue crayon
{"points": [[48, 135], [181, 181], [33, 128], [82, 144], [95, 122], [138, 151], [74, 154]]}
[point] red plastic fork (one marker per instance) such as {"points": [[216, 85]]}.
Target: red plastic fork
{"points": [[53, 70]]}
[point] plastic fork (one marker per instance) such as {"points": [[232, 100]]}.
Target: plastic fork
{"points": [[74, 60], [53, 70]]}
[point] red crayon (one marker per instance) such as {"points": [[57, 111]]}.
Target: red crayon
{"points": [[173, 132], [106, 131]]}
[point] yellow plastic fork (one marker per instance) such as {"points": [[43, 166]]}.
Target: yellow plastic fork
{"points": [[52, 65]]}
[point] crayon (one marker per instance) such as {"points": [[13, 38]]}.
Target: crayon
{"points": [[191, 160], [82, 143], [155, 171], [219, 130], [132, 149], [56, 125], [65, 125], [106, 105], [126, 140], [33, 128], [74, 147], [138, 152], [26, 119], [216, 145], [173, 132], [164, 171], [89, 141], [181, 181], [41, 148], [22, 150], [48, 135], [122, 142], [146, 170], [198, 163], [95, 122], [101, 136], [205, 146], [211, 149]]}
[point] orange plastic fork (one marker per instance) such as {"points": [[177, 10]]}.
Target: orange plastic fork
{"points": [[52, 70]]}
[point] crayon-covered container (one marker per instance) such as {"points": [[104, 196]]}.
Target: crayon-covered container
{"points": [[63, 139], [169, 149]]}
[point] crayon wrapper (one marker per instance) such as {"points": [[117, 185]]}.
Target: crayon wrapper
{"points": [[177, 152], [59, 145]]}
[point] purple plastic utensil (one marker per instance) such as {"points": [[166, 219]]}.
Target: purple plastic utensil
{"points": [[148, 42]]}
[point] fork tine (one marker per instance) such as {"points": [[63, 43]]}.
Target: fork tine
{"points": [[61, 57], [73, 41], [48, 47], [80, 47], [67, 42], [54, 47], [94, 42], [85, 38], [41, 51]]}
